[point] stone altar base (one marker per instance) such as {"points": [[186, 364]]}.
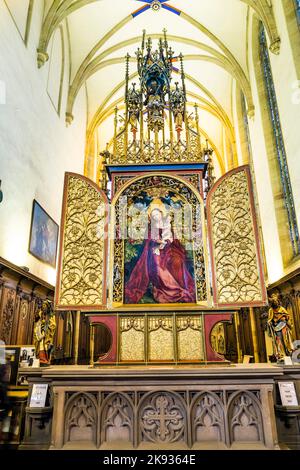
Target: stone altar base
{"points": [[167, 407]]}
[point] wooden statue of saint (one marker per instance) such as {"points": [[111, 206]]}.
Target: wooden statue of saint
{"points": [[279, 328], [44, 331]]}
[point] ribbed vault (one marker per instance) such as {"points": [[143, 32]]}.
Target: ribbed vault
{"points": [[101, 32]]}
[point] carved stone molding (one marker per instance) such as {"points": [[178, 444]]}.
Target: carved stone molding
{"points": [[117, 419], [208, 420], [81, 418], [152, 411], [162, 419], [245, 418]]}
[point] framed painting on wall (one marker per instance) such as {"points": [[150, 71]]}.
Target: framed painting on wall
{"points": [[43, 235]]}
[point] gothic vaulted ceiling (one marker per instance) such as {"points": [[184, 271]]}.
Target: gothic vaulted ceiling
{"points": [[211, 34]]}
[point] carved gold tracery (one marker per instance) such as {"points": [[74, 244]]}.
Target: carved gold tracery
{"points": [[160, 338], [234, 242], [157, 337], [121, 180], [190, 343], [157, 183], [132, 338], [82, 264]]}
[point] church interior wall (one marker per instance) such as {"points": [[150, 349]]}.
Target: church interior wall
{"points": [[286, 86], [236, 123], [65, 152], [56, 69], [36, 146], [240, 129], [45, 148], [280, 259], [293, 32], [20, 15]]}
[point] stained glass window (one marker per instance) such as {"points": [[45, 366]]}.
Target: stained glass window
{"points": [[297, 6], [278, 141]]}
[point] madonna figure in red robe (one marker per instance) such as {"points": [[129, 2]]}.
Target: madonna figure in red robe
{"points": [[163, 264]]}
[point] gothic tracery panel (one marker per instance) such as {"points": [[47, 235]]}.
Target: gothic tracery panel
{"points": [[117, 419], [208, 422], [162, 419], [8, 308], [190, 342], [244, 418], [81, 419], [81, 281], [132, 340], [234, 242], [161, 339]]}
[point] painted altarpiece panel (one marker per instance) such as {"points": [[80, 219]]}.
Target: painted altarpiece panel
{"points": [[158, 245]]}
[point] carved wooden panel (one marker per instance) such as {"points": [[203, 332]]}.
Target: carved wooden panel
{"points": [[190, 344], [22, 323], [161, 339], [132, 339], [171, 337], [31, 316], [81, 282], [110, 322], [210, 321], [237, 271], [20, 297], [7, 317]]}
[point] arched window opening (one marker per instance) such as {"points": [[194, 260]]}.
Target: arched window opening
{"points": [[297, 7], [278, 141]]}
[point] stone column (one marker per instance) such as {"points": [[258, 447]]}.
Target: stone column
{"points": [[254, 334], [76, 337], [238, 343], [92, 339], [57, 440]]}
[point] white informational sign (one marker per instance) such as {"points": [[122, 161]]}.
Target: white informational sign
{"points": [[288, 394], [38, 395]]}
